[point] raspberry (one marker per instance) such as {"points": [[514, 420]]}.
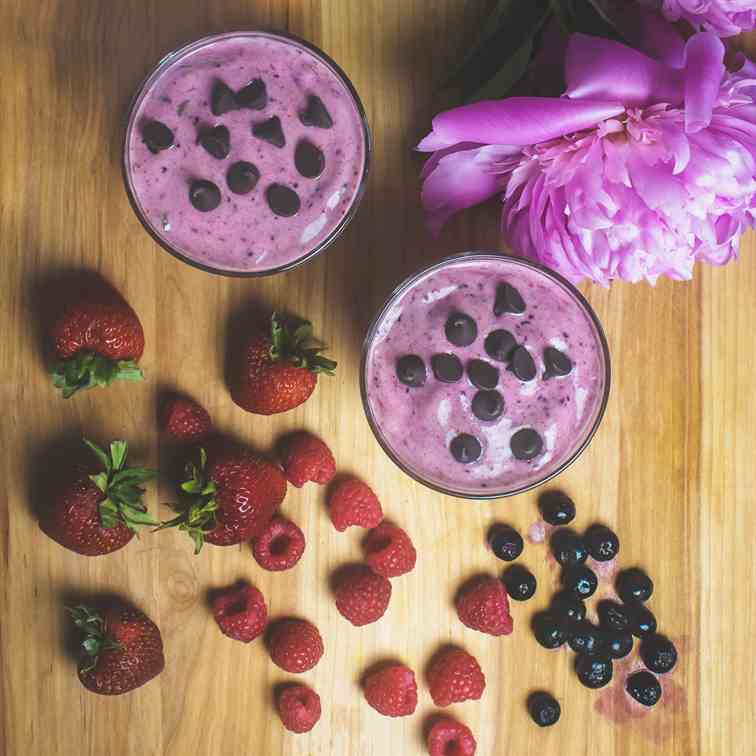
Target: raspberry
{"points": [[389, 550], [361, 595], [305, 457], [391, 690], [240, 612], [183, 419], [354, 503], [448, 737], [279, 546], [482, 604], [455, 676], [295, 645], [299, 708]]}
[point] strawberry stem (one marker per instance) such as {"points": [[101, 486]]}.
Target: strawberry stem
{"points": [[86, 369], [95, 640], [294, 342]]}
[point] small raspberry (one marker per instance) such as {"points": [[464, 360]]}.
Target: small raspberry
{"points": [[448, 737], [279, 546], [305, 457], [240, 612], [295, 645], [455, 676], [389, 550], [362, 596], [482, 605], [392, 690], [299, 708], [354, 503], [183, 419]]}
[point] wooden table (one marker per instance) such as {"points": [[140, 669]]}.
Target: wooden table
{"points": [[672, 467]]}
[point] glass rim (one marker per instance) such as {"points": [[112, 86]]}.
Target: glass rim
{"points": [[404, 286], [175, 55]]}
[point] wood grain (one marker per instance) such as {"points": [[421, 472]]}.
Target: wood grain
{"points": [[672, 467]]}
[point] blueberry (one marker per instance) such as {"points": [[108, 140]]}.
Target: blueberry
{"points": [[618, 644], [505, 542], [549, 630], [556, 508], [585, 638], [644, 688], [581, 580], [594, 671], [602, 543], [613, 616], [634, 585], [642, 621], [544, 709], [568, 606], [568, 547], [658, 653], [520, 583]]}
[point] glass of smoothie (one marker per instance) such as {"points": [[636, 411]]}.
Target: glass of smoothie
{"points": [[485, 375], [246, 153]]}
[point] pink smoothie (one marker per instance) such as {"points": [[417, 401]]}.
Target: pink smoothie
{"points": [[421, 417], [254, 230]]}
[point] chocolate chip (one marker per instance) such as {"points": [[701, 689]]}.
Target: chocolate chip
{"points": [[254, 96], [557, 363], [282, 200], [487, 405], [222, 99], [316, 114], [465, 448], [447, 367], [216, 140], [461, 329], [508, 299], [522, 364], [499, 345], [309, 159], [526, 444], [270, 131], [242, 177], [204, 195], [482, 374], [410, 370], [157, 136]]}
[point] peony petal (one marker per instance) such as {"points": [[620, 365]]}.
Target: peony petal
{"points": [[600, 69], [430, 164], [704, 69], [517, 121]]}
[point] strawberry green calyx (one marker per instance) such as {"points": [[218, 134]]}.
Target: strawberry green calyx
{"points": [[95, 640], [295, 343], [197, 505], [123, 502], [86, 369]]}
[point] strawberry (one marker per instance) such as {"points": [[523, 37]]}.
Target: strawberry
{"points": [[391, 690], [389, 550], [229, 497], [482, 605], [447, 736], [352, 502], [96, 510], [299, 708], [185, 420], [295, 645], [278, 371], [455, 676], [305, 457], [240, 612], [122, 648], [362, 596], [97, 339]]}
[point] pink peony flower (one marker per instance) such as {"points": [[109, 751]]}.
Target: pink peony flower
{"points": [[723, 17], [644, 167]]}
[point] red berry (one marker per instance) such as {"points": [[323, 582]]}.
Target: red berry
{"points": [[183, 419], [389, 550], [240, 612], [362, 596], [279, 546], [455, 676], [392, 690], [449, 737], [354, 503], [295, 645], [299, 708], [305, 457], [482, 605]]}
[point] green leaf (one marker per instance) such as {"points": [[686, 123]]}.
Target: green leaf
{"points": [[108, 514], [91, 646], [507, 76], [100, 480], [198, 539], [125, 494], [103, 458], [134, 476], [118, 452], [210, 488], [127, 370], [192, 486], [133, 517], [203, 458]]}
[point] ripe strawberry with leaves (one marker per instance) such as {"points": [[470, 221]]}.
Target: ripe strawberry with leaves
{"points": [[228, 497], [278, 370], [121, 650], [97, 339], [98, 508]]}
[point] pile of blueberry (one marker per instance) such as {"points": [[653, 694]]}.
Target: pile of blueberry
{"points": [[488, 404]]}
